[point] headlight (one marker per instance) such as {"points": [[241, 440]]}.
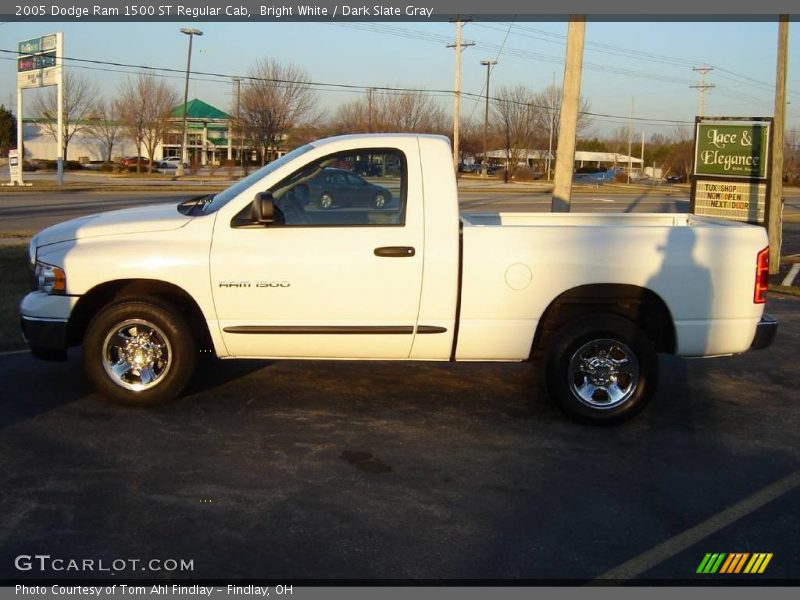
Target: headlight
{"points": [[32, 253], [50, 279]]}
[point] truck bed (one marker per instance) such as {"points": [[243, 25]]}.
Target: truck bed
{"points": [[516, 264], [527, 219]]}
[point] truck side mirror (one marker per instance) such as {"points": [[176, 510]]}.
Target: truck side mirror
{"points": [[263, 208]]}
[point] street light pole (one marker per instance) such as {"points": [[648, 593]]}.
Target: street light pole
{"points": [[488, 64], [239, 128], [191, 33]]}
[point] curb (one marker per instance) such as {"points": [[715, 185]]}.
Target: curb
{"points": [[786, 290], [78, 188]]}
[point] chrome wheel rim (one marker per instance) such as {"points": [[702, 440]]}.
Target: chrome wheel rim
{"points": [[137, 355], [325, 201], [380, 200], [603, 374]]}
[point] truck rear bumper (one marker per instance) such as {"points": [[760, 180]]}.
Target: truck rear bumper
{"points": [[765, 332], [47, 338]]}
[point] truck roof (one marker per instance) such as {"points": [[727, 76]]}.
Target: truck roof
{"points": [[379, 138]]}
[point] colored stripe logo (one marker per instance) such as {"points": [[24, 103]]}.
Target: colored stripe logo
{"points": [[734, 563]]}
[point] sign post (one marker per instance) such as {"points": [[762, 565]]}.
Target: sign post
{"points": [[14, 168], [732, 163], [40, 64]]}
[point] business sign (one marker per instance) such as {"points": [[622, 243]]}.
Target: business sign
{"points": [[732, 150], [731, 168], [38, 63]]}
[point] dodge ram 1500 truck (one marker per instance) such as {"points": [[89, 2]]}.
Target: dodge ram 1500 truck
{"points": [[352, 248]]}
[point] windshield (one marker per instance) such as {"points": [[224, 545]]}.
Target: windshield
{"points": [[237, 188]]}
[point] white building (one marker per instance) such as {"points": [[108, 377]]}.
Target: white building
{"points": [[210, 140], [583, 158]]}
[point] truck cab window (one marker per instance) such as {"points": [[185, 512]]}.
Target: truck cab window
{"points": [[361, 187]]}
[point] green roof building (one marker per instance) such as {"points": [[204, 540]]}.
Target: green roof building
{"points": [[208, 131]]}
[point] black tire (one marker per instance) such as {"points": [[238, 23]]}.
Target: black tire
{"points": [[379, 201], [585, 373], [146, 330], [325, 201]]}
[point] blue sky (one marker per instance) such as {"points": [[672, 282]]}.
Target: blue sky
{"points": [[649, 62]]}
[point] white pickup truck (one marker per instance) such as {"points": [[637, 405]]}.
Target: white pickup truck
{"points": [[352, 248]]}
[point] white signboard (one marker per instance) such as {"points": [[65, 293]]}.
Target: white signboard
{"points": [[734, 200], [39, 61], [15, 169]]}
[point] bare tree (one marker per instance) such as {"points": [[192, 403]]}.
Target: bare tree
{"points": [[377, 111], [681, 155], [516, 116], [791, 153], [145, 104], [105, 125], [617, 142], [275, 99], [79, 98], [471, 134], [548, 101], [414, 111]]}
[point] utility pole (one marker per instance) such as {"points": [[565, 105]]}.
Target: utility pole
{"points": [[630, 145], [654, 172], [238, 81], [703, 87], [488, 64], [775, 223], [457, 96], [370, 92], [568, 119], [551, 113]]}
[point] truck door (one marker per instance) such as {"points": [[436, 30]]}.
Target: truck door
{"points": [[334, 276]]}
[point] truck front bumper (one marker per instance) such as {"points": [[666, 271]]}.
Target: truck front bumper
{"points": [[44, 324], [47, 338], [765, 332]]}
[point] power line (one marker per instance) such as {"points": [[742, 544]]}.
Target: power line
{"points": [[327, 86], [602, 48]]}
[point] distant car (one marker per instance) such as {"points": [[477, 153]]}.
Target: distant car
{"points": [[130, 161], [337, 188], [171, 162], [676, 178], [477, 168], [367, 169]]}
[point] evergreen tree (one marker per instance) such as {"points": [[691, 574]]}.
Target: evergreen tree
{"points": [[8, 130]]}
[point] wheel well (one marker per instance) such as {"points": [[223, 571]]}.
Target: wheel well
{"points": [[153, 290], [640, 305]]}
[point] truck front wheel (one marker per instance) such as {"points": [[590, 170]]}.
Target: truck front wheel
{"points": [[138, 353], [601, 368]]}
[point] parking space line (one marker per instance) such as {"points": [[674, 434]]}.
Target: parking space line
{"points": [[10, 352], [789, 279], [677, 544]]}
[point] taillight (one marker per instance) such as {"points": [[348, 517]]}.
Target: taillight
{"points": [[762, 277]]}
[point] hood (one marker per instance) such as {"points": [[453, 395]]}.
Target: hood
{"points": [[157, 217]]}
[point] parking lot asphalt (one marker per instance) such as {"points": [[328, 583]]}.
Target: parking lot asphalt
{"points": [[301, 470]]}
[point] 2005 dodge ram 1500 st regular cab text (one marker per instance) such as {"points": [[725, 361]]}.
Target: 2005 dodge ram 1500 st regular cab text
{"points": [[352, 248]]}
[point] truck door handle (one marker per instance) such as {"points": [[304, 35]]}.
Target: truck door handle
{"points": [[395, 251]]}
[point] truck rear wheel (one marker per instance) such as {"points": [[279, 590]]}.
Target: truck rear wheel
{"points": [[139, 353], [602, 369]]}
